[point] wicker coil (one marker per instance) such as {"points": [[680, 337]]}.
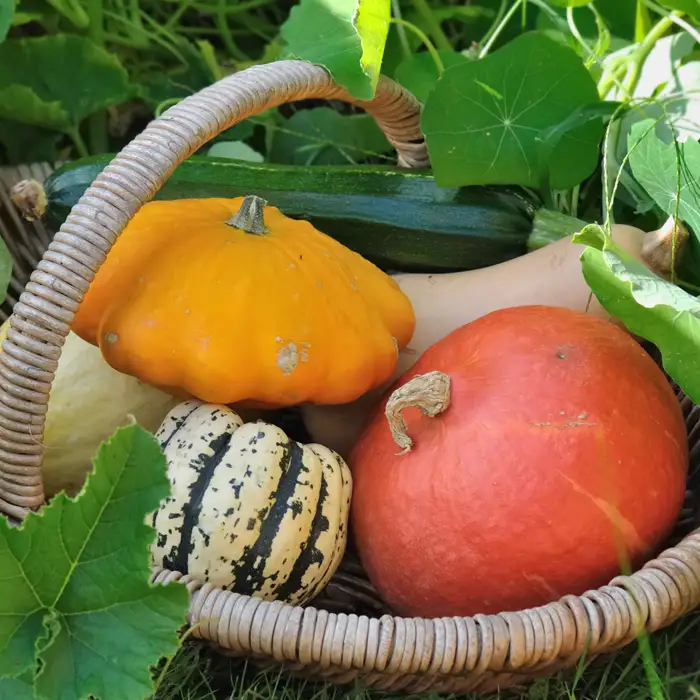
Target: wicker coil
{"points": [[347, 633]]}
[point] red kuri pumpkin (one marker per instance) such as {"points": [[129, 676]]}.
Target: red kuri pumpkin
{"points": [[533, 453]]}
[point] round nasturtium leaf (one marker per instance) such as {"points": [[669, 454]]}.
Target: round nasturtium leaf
{"points": [[484, 120]]}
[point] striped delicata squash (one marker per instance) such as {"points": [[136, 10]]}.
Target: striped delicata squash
{"points": [[250, 510]]}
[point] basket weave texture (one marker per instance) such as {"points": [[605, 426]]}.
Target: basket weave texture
{"points": [[347, 633]]}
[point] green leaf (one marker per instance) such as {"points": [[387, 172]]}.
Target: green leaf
{"points": [[21, 688], [7, 13], [27, 144], [690, 7], [648, 305], [57, 81], [674, 84], [670, 173], [237, 150], [418, 73], [550, 138], [76, 602], [347, 37], [570, 3], [20, 103], [322, 136], [483, 119], [22, 18]]}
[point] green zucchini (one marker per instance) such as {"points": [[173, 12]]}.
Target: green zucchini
{"points": [[397, 218]]}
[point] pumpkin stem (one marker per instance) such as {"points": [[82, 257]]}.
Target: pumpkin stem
{"points": [[250, 217], [428, 392], [662, 249]]}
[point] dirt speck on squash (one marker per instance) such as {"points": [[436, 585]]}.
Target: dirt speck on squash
{"points": [[288, 358]]}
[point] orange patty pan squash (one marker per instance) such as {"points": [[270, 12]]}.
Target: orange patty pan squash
{"points": [[230, 301]]}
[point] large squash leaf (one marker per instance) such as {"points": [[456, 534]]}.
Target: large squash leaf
{"points": [[347, 37], [77, 610], [57, 81]]}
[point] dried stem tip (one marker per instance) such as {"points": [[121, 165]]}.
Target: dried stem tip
{"points": [[428, 392], [251, 216], [30, 198]]}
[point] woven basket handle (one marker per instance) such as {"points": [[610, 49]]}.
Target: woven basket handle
{"points": [[42, 317]]}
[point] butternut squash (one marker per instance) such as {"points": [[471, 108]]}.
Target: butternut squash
{"points": [[550, 276]]}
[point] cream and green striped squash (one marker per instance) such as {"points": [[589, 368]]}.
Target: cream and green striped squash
{"points": [[250, 510]]}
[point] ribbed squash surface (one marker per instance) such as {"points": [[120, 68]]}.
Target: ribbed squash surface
{"points": [[250, 510]]}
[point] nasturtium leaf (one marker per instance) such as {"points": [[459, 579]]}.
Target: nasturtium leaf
{"points": [[648, 305], [670, 173], [76, 603], [483, 119], [419, 73], [322, 136], [347, 37], [56, 81]]}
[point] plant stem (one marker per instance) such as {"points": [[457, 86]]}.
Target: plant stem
{"points": [[78, 142], [221, 21], [232, 9], [435, 30], [642, 53], [400, 29], [97, 123], [496, 22], [175, 17], [676, 18], [424, 39], [642, 23], [501, 26]]}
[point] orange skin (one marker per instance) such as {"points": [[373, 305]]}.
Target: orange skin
{"points": [[197, 307], [563, 454]]}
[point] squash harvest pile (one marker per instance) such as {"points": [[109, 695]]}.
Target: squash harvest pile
{"points": [[453, 416]]}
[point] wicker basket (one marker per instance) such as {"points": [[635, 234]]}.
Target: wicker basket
{"points": [[347, 634]]}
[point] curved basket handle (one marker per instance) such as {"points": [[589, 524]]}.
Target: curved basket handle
{"points": [[42, 317]]}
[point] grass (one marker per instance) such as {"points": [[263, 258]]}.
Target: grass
{"points": [[673, 659]]}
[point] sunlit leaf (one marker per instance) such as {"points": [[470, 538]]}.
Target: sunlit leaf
{"points": [[77, 609], [347, 37]]}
